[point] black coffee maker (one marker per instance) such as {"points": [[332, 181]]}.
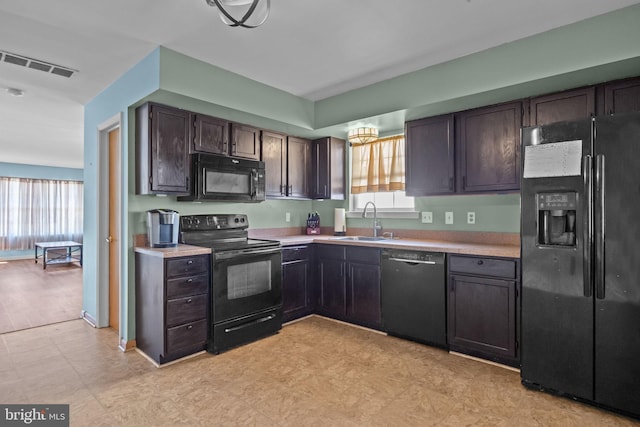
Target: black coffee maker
{"points": [[162, 228]]}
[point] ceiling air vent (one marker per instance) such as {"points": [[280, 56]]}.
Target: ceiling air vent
{"points": [[36, 64]]}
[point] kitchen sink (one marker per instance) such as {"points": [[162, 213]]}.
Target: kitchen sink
{"points": [[360, 238]]}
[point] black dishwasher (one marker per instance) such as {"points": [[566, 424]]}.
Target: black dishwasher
{"points": [[413, 295]]}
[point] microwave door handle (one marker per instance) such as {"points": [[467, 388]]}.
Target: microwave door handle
{"points": [[253, 178]]}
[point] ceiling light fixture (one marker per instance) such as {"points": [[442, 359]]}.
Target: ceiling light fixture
{"points": [[251, 13], [15, 92], [362, 135]]}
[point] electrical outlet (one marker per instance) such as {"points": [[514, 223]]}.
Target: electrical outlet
{"points": [[471, 217], [287, 216], [427, 217], [448, 217]]}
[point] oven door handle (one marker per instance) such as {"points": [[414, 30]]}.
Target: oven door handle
{"points": [[246, 252], [253, 322]]}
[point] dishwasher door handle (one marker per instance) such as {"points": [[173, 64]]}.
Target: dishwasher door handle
{"points": [[412, 261]]}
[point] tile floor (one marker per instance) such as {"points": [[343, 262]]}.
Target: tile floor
{"points": [[31, 296], [315, 372]]}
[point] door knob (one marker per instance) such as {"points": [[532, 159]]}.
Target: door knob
{"points": [[109, 239]]}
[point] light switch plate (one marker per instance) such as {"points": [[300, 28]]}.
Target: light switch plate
{"points": [[448, 217], [471, 217], [427, 217], [287, 216]]}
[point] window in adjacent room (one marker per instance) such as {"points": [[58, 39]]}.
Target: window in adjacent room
{"points": [[378, 175], [39, 210]]}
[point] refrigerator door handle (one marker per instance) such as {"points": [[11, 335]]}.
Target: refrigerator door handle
{"points": [[600, 222], [587, 225]]}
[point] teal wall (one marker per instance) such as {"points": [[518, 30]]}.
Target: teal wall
{"points": [[18, 170], [600, 49], [116, 99], [591, 51]]}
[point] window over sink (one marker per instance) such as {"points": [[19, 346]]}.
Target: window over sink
{"points": [[378, 176]]}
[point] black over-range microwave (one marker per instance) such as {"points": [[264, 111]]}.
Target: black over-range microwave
{"points": [[230, 179]]}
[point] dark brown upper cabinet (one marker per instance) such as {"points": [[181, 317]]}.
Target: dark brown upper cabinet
{"points": [[162, 150], [622, 96], [210, 135], [245, 141], [488, 148], [430, 161], [274, 156], [287, 162], [298, 167], [328, 176], [562, 106]]}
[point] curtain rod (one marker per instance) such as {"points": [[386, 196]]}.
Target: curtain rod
{"points": [[386, 138]]}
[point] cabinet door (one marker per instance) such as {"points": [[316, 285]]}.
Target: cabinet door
{"points": [[622, 97], [274, 156], [563, 106], [331, 287], [489, 148], [364, 294], [295, 289], [211, 135], [482, 315], [245, 141], [328, 177], [430, 156], [169, 152], [298, 167]]}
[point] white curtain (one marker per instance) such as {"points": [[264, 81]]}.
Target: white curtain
{"points": [[34, 210], [378, 166]]}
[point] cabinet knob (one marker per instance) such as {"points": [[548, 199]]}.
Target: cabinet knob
{"points": [[189, 301], [189, 280], [190, 262], [480, 262], [189, 327]]}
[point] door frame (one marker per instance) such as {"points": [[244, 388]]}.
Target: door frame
{"points": [[102, 295]]}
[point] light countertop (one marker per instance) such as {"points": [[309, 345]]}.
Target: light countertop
{"points": [[507, 251], [180, 250]]}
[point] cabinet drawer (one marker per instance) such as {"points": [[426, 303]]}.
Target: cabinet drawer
{"points": [[362, 254], [330, 252], [189, 285], [186, 335], [483, 266], [294, 253], [187, 265], [188, 309]]}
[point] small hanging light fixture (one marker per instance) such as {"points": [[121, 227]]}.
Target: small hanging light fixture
{"points": [[15, 91], [242, 13], [362, 135]]}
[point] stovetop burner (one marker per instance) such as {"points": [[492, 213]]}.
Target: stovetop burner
{"points": [[220, 232]]}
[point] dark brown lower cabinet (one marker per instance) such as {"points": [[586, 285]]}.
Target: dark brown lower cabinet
{"points": [[172, 305], [297, 282], [483, 307], [349, 284], [332, 281]]}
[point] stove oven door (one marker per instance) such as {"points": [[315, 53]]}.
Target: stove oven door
{"points": [[245, 282]]}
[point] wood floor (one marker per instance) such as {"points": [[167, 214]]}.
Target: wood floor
{"points": [[315, 372], [31, 296]]}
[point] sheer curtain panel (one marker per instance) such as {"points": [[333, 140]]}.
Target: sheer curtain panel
{"points": [[34, 210], [378, 166]]}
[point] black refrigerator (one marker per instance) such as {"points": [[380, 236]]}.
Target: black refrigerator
{"points": [[580, 222]]}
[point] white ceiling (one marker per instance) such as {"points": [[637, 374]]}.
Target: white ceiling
{"points": [[314, 49]]}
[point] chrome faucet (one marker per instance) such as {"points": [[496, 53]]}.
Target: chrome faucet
{"points": [[376, 225]]}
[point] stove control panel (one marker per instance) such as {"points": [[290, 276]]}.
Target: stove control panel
{"points": [[213, 222]]}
